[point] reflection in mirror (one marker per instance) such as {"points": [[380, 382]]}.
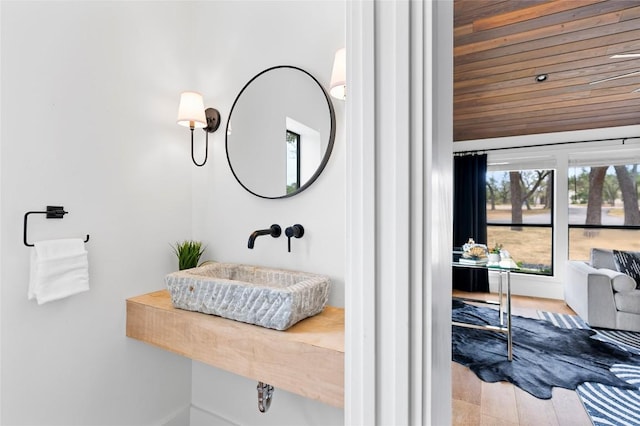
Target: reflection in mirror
{"points": [[293, 161], [280, 132]]}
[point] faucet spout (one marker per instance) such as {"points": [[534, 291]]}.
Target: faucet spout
{"points": [[275, 231]]}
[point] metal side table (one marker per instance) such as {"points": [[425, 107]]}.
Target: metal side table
{"points": [[505, 325]]}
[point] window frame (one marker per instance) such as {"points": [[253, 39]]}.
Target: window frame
{"points": [[501, 167], [297, 141]]}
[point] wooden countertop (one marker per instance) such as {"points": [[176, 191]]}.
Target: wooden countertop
{"points": [[307, 359]]}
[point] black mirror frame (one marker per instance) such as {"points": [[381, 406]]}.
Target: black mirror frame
{"points": [[327, 154]]}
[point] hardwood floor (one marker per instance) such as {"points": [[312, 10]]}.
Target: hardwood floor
{"points": [[479, 403]]}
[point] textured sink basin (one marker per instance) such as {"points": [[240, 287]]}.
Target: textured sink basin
{"points": [[272, 298]]}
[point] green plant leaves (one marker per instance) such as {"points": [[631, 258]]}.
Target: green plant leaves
{"points": [[188, 253]]}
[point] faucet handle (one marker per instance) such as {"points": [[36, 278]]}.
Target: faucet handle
{"points": [[295, 231]]}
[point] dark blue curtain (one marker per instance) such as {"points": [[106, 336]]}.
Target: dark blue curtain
{"points": [[470, 216]]}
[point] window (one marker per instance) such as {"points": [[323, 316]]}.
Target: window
{"points": [[603, 207], [520, 217], [293, 161]]}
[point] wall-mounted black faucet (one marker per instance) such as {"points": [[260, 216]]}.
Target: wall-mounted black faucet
{"points": [[295, 231], [275, 231]]}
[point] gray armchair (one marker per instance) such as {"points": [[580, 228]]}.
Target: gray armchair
{"points": [[600, 295]]}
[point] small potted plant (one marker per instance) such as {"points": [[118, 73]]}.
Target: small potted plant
{"points": [[494, 253], [188, 253]]}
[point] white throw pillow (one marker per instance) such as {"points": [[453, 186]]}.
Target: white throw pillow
{"points": [[620, 282]]}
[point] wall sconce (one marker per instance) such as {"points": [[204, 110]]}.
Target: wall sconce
{"points": [[338, 85], [191, 114]]}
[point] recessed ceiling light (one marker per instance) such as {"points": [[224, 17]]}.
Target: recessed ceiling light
{"points": [[541, 77]]}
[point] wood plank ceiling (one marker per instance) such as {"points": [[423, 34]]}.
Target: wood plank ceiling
{"points": [[501, 46]]}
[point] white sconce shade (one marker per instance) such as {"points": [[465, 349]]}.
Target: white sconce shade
{"points": [[191, 110], [191, 114], [338, 85]]}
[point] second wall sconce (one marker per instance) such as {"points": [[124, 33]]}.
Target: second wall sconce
{"points": [[338, 85], [191, 114]]}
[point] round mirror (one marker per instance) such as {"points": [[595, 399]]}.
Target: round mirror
{"points": [[280, 132]]}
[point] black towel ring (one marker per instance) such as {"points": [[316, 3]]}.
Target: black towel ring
{"points": [[53, 212]]}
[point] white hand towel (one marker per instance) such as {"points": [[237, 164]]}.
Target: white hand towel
{"points": [[59, 269]]}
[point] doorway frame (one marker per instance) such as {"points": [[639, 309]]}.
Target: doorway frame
{"points": [[399, 119]]}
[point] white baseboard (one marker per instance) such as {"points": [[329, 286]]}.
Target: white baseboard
{"points": [[178, 418], [203, 417], [192, 415]]}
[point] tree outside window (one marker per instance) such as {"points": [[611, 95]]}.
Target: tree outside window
{"points": [[603, 209], [520, 216]]}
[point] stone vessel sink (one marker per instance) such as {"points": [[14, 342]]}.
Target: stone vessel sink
{"points": [[272, 298]]}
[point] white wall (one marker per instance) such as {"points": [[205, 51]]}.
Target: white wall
{"points": [[89, 99], [1, 210], [239, 40]]}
